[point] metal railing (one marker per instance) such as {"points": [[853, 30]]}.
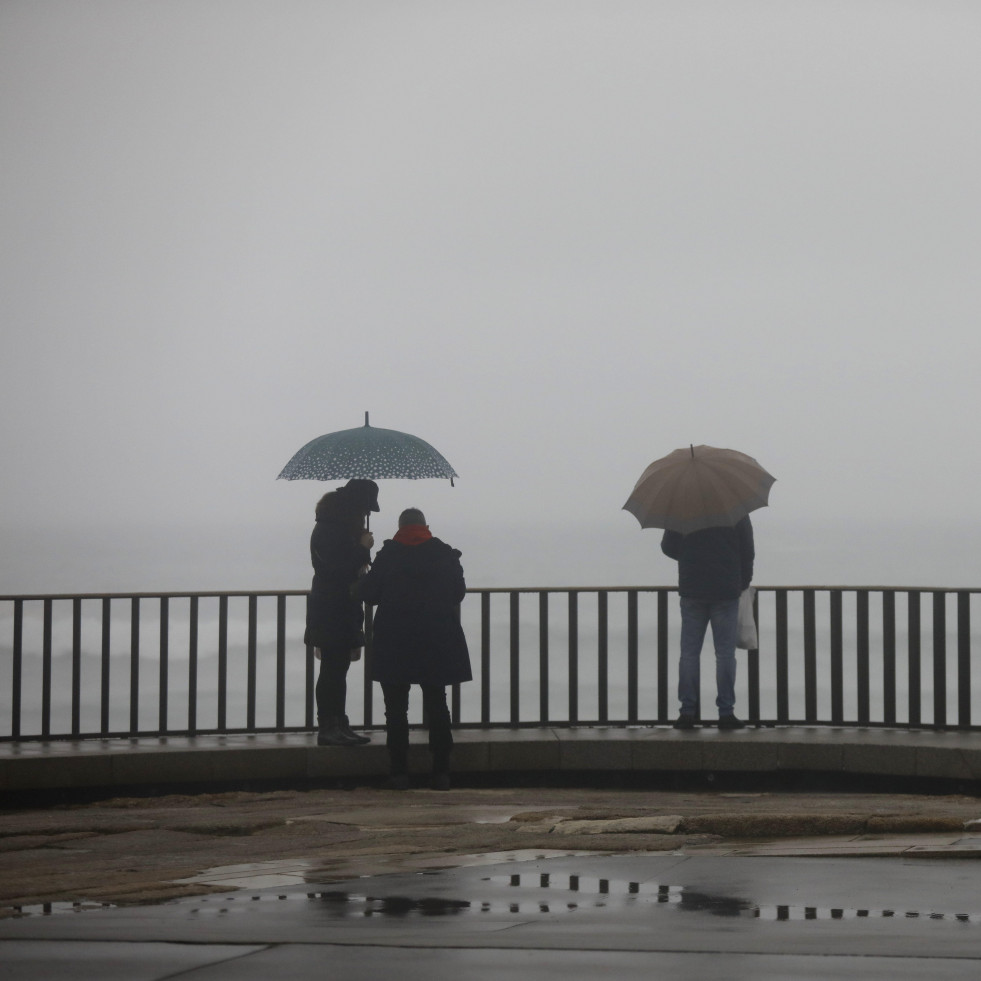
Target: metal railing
{"points": [[127, 665]]}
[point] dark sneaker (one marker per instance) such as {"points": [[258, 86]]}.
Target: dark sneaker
{"points": [[731, 722], [685, 721], [398, 781]]}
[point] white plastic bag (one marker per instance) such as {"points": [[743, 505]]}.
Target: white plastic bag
{"points": [[746, 638]]}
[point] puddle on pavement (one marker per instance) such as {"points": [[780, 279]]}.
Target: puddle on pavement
{"points": [[548, 893], [521, 893], [50, 909]]}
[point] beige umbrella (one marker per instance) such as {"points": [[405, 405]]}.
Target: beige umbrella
{"points": [[699, 487]]}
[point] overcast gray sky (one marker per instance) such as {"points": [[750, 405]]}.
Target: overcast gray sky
{"points": [[555, 238]]}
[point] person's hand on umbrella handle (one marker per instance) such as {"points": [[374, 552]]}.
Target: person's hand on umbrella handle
{"points": [[368, 539]]}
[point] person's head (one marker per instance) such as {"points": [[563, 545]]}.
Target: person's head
{"points": [[349, 503], [360, 495], [411, 516]]}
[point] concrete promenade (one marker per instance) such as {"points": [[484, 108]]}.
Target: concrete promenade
{"points": [[233, 759], [544, 860]]}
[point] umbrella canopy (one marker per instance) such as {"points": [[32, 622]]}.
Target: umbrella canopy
{"points": [[699, 487], [367, 453]]}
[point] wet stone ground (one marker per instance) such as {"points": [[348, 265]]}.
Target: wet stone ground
{"points": [[125, 850]]}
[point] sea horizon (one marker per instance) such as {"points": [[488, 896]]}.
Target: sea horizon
{"points": [[274, 555]]}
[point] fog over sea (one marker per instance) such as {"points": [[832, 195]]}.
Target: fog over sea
{"points": [[614, 551]]}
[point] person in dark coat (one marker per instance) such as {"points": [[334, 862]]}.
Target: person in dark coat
{"points": [[340, 549], [714, 566], [417, 584]]}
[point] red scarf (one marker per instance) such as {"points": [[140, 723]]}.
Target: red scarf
{"points": [[413, 534]]}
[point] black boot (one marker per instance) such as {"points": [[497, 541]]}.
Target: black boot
{"points": [[397, 740], [441, 770], [345, 727], [331, 733]]}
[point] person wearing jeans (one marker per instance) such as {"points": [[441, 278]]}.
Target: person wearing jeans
{"points": [[714, 566]]}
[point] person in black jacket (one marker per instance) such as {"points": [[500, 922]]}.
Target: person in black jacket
{"points": [[417, 584], [714, 566], [340, 549]]}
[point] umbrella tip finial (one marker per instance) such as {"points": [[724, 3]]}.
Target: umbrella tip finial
{"points": [[366, 418]]}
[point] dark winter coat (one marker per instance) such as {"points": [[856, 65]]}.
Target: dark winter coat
{"points": [[417, 636], [714, 563], [335, 618]]}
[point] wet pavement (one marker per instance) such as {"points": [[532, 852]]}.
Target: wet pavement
{"points": [[570, 917], [544, 882]]}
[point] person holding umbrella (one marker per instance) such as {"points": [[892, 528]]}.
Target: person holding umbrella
{"points": [[714, 566], [340, 552], [417, 584], [702, 496]]}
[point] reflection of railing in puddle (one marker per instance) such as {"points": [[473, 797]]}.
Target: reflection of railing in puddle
{"points": [[580, 892], [571, 892], [49, 909], [696, 901]]}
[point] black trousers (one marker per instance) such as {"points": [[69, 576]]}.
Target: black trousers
{"points": [[332, 682], [437, 715]]}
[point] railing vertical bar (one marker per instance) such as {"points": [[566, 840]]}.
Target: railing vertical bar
{"points": [[810, 657], [862, 655], [251, 671], [76, 666], [367, 706], [913, 674], [782, 658], [515, 664], [105, 673], [889, 657], [963, 659], [222, 663], [602, 657], [485, 663], [281, 661], [134, 666], [663, 710], [309, 687], [46, 672], [633, 679], [192, 667], [17, 676], [753, 670], [164, 661], [543, 672], [310, 664], [573, 656], [837, 670], [940, 659]]}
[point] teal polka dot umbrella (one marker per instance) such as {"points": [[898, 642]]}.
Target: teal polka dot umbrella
{"points": [[367, 453]]}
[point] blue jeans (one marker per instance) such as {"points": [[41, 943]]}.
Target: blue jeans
{"points": [[696, 615]]}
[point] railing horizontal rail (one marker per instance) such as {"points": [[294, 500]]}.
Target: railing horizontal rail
{"points": [[122, 665]]}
